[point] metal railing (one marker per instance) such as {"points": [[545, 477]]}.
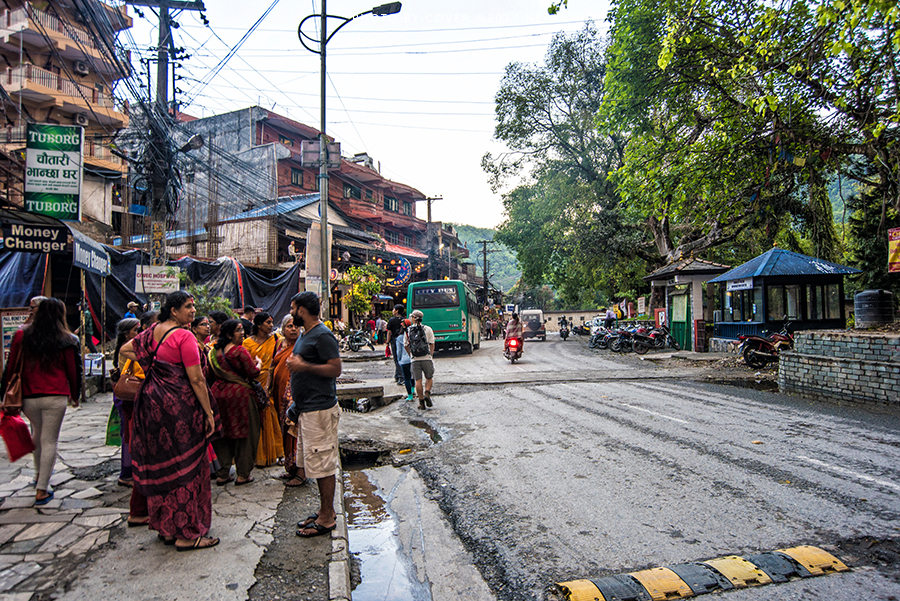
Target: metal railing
{"points": [[9, 18], [23, 73]]}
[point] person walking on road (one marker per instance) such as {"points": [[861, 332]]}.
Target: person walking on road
{"points": [[315, 366], [51, 379], [404, 360], [419, 342], [394, 325]]}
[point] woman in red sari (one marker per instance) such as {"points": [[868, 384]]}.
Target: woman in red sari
{"points": [[174, 416], [231, 369]]}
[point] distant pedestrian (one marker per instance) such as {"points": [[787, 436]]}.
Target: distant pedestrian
{"points": [[130, 314], [51, 378], [380, 330], [370, 328], [216, 319], [247, 320], [404, 360], [394, 326], [610, 319], [315, 366], [419, 344]]}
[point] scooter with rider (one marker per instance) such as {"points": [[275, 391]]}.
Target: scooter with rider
{"points": [[515, 339]]}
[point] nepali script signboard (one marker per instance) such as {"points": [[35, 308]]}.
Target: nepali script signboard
{"points": [[53, 160], [894, 250]]}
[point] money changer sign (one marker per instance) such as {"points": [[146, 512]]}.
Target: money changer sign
{"points": [[53, 170]]}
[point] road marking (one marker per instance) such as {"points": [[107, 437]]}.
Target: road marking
{"points": [[844, 470], [674, 419]]}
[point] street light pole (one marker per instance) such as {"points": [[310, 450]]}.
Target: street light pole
{"points": [[379, 11]]}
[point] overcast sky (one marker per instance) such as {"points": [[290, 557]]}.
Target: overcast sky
{"points": [[414, 90]]}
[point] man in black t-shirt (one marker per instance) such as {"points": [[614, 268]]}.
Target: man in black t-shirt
{"points": [[247, 320], [394, 325], [315, 366]]}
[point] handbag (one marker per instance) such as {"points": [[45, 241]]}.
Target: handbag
{"points": [[256, 389], [12, 398], [16, 436], [128, 385]]}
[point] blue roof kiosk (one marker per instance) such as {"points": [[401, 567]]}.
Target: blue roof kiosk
{"points": [[759, 294]]}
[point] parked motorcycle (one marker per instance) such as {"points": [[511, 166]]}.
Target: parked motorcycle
{"points": [[358, 339], [761, 350], [512, 349]]}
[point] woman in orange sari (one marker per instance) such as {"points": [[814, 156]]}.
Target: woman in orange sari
{"points": [[281, 395], [263, 345]]}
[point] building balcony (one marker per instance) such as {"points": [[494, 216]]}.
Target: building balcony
{"points": [[35, 85], [41, 29]]}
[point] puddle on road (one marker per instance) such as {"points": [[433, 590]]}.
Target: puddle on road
{"points": [[765, 385], [385, 573], [423, 425]]}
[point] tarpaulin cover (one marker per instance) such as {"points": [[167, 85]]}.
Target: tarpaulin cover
{"points": [[21, 277], [224, 277]]}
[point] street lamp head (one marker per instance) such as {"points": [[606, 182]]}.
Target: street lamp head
{"points": [[390, 8], [195, 142]]}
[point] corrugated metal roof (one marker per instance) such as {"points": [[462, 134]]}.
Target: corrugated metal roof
{"points": [[689, 266], [284, 205], [780, 262]]}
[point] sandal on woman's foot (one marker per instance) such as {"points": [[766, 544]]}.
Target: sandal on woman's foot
{"points": [[220, 482], [201, 543], [139, 522], [166, 540], [126, 482], [243, 482]]}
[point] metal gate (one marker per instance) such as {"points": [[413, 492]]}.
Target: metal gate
{"points": [[680, 318]]}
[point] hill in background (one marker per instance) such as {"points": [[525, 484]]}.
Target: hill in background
{"points": [[501, 264]]}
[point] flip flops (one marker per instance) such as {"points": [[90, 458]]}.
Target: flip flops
{"points": [[318, 530], [247, 481], [197, 545], [165, 540], [295, 482], [224, 482], [304, 523], [45, 500]]}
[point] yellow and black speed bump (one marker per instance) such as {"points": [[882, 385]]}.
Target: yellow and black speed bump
{"points": [[689, 579]]}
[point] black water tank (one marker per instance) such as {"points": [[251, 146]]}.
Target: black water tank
{"points": [[873, 308]]}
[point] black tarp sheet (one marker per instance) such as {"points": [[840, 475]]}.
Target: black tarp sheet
{"points": [[224, 277], [21, 277]]}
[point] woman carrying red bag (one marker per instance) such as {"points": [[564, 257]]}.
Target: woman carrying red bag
{"points": [[51, 379]]}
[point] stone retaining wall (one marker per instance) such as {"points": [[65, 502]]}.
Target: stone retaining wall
{"points": [[854, 367]]}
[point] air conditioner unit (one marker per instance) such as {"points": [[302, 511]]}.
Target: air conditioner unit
{"points": [[81, 68], [81, 119]]}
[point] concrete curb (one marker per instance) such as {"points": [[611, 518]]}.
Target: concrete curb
{"points": [[339, 560]]}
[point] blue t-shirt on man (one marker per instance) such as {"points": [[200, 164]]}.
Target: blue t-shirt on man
{"points": [[312, 392]]}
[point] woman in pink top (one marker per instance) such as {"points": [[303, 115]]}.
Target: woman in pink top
{"points": [[174, 418]]}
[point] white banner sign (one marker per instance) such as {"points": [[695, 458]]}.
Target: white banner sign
{"points": [[152, 279], [741, 284]]}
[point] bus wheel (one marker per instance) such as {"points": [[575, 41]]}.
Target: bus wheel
{"points": [[477, 346], [467, 348]]}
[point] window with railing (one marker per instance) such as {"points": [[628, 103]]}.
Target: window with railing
{"points": [[391, 204], [392, 237]]}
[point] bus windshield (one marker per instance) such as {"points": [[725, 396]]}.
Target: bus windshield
{"points": [[435, 297]]}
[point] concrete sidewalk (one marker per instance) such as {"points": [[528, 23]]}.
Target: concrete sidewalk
{"points": [[77, 547]]}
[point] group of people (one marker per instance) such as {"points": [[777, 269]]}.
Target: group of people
{"points": [[413, 360], [208, 395]]}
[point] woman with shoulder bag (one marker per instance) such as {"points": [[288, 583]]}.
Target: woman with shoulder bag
{"points": [[263, 345], [174, 418], [231, 369], [126, 330], [50, 378]]}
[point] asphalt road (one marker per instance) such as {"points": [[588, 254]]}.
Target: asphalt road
{"points": [[593, 465]]}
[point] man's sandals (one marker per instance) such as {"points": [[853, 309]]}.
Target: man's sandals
{"points": [[202, 542], [311, 524]]}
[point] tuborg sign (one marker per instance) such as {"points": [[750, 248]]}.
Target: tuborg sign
{"points": [[53, 159]]}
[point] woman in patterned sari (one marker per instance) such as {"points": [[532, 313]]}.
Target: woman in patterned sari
{"points": [[262, 345], [174, 417], [281, 394]]}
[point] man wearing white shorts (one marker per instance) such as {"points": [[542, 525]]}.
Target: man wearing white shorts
{"points": [[422, 367], [315, 366]]}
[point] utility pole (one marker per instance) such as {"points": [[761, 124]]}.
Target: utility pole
{"points": [[160, 153], [484, 272], [431, 239]]}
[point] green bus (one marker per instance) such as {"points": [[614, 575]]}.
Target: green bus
{"points": [[450, 310]]}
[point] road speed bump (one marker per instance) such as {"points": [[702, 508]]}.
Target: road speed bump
{"points": [[622, 588], [702, 578], [740, 572], [580, 590], [662, 584], [779, 567], [815, 560]]}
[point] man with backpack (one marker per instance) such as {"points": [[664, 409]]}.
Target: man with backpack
{"points": [[419, 343]]}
